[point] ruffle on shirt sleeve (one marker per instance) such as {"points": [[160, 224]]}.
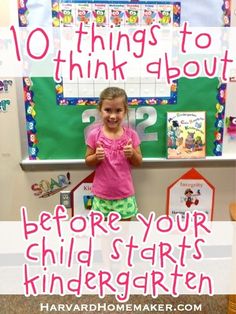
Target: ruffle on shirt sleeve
{"points": [[92, 135], [134, 137]]}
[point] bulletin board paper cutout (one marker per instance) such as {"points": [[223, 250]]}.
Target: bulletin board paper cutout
{"points": [[189, 193], [82, 196], [31, 118], [231, 127], [5, 86], [4, 104], [48, 187], [207, 13]]}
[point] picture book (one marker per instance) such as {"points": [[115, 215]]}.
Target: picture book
{"points": [[186, 135]]}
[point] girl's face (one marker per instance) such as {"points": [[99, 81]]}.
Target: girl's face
{"points": [[113, 112]]}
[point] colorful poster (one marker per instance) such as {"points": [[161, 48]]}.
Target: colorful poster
{"points": [[67, 14], [83, 13], [100, 11], [116, 15], [148, 14], [164, 13], [186, 135], [132, 15], [191, 192]]}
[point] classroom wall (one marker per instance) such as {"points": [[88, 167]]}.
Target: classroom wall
{"points": [[151, 180]]}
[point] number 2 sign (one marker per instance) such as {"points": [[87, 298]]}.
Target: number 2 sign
{"points": [[140, 118]]}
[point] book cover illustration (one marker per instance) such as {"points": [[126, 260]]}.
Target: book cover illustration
{"points": [[186, 134]]}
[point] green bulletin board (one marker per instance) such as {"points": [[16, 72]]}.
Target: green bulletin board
{"points": [[56, 129], [59, 130]]}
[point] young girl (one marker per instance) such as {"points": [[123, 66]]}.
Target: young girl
{"points": [[113, 148]]}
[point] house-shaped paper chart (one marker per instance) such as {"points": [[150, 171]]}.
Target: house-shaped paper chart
{"points": [[82, 197], [189, 193]]}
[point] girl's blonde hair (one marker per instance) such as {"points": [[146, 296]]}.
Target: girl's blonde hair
{"points": [[112, 93]]}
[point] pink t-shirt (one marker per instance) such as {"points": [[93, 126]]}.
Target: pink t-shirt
{"points": [[113, 179]]}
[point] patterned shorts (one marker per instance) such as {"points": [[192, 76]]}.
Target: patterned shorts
{"points": [[126, 207]]}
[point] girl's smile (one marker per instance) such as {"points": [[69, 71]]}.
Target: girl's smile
{"points": [[113, 113]]}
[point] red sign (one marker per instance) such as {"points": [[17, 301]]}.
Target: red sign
{"points": [[82, 197]]}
